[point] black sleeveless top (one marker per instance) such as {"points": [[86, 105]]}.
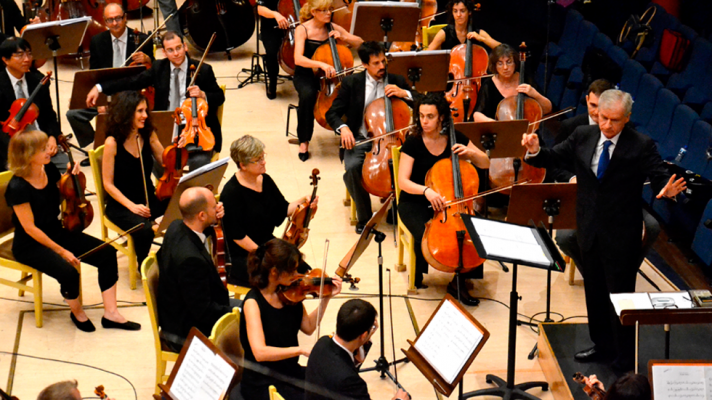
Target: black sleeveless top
{"points": [[127, 175], [310, 47], [451, 39]]}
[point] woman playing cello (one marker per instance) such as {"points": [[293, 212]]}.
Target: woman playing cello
{"points": [[40, 240], [418, 154], [269, 327], [312, 33], [130, 148], [456, 31]]}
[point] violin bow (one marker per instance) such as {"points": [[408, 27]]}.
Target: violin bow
{"points": [[143, 171], [321, 291], [149, 38], [101, 246], [202, 59], [483, 194], [554, 115], [365, 141]]}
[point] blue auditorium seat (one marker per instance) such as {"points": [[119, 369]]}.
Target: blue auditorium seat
{"points": [[659, 123], [697, 66], [700, 93], [618, 55], [573, 55], [700, 142], [632, 73], [661, 21], [644, 102], [568, 37], [706, 113], [601, 41], [702, 243], [572, 91], [679, 134]]}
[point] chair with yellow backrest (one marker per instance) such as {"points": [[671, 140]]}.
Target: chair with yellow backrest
{"points": [[273, 395], [226, 337], [127, 248], [429, 33], [149, 279], [405, 238], [348, 201]]}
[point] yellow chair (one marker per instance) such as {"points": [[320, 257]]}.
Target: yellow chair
{"points": [[348, 201], [127, 248], [429, 33], [570, 269], [226, 337], [238, 291], [405, 238], [149, 279], [273, 395]]}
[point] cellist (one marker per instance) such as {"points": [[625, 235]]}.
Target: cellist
{"points": [[356, 93], [312, 33], [456, 32], [418, 154]]}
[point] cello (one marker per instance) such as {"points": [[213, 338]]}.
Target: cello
{"points": [[297, 230], [23, 112], [290, 9], [446, 244], [467, 60], [383, 116], [339, 57], [505, 171], [77, 212]]}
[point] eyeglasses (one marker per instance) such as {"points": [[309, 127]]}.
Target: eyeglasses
{"points": [[174, 50], [508, 63], [259, 160], [327, 11], [22, 54], [110, 21]]}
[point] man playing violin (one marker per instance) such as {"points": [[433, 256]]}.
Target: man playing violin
{"points": [[190, 292], [356, 93], [19, 81], [109, 49], [170, 78], [332, 371]]}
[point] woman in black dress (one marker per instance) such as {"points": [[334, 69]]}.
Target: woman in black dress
{"points": [[131, 138], [418, 154], [456, 32], [41, 242], [270, 20], [312, 33], [254, 206], [269, 327]]}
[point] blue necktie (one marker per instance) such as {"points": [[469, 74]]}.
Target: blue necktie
{"points": [[604, 159]]}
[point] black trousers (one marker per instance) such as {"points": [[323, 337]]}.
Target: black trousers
{"points": [[45, 260], [353, 163], [307, 86], [257, 388], [125, 219], [272, 42]]}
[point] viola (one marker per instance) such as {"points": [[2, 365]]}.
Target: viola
{"points": [[446, 244], [467, 60], [505, 171], [194, 110], [99, 391], [77, 211], [174, 161], [23, 111], [593, 391], [220, 251], [306, 285], [234, 19], [297, 231], [289, 9], [339, 57], [382, 116]]}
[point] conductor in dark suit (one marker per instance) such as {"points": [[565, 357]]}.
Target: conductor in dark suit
{"points": [[356, 93], [19, 81], [331, 370], [611, 163], [109, 49], [190, 292], [170, 78]]}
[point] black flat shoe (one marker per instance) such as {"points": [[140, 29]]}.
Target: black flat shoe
{"points": [[360, 227], [304, 156], [84, 162], [127, 326], [421, 286], [590, 355], [465, 297], [85, 326]]}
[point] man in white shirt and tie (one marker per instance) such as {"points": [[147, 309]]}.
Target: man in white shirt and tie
{"points": [[356, 93]]}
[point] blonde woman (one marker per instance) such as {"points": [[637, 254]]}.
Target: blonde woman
{"points": [[312, 33], [40, 240]]}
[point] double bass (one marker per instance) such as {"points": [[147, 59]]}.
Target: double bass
{"points": [[446, 244], [289, 9], [23, 112], [339, 57], [506, 171], [297, 230], [234, 20]]}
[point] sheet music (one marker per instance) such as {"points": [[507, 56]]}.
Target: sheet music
{"points": [[512, 241], [630, 301], [687, 382], [63, 22], [205, 168], [203, 375], [448, 341]]}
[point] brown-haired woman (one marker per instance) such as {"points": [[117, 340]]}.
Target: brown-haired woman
{"points": [[269, 328], [457, 30], [41, 242], [130, 139]]}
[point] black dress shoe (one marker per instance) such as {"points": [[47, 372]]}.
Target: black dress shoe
{"points": [[360, 227], [127, 326], [304, 156], [465, 297], [271, 93], [590, 355], [84, 162], [85, 326]]}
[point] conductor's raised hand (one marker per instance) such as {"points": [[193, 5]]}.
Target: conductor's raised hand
{"points": [[531, 142], [673, 187]]}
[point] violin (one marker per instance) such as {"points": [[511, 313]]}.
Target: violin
{"points": [[593, 391], [297, 231], [290, 9], [446, 244], [77, 211], [382, 116], [467, 60], [174, 161], [220, 251], [99, 391], [505, 171], [305, 285], [339, 57], [23, 112]]}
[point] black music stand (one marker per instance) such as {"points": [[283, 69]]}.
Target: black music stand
{"points": [[84, 82], [425, 71], [558, 211]]}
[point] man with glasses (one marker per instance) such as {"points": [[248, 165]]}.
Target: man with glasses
{"points": [[18, 81], [170, 78], [109, 50]]}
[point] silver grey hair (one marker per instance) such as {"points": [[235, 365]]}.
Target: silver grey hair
{"points": [[245, 149], [615, 96], [59, 391]]}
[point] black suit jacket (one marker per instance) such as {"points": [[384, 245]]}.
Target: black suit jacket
{"points": [[190, 292], [351, 98], [47, 119], [159, 76], [102, 49], [330, 368], [608, 212], [565, 130]]}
